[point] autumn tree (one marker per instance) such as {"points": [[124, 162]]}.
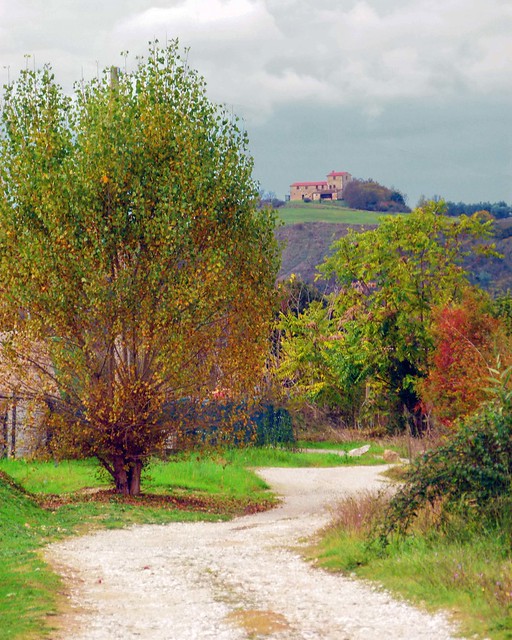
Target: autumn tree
{"points": [[469, 343], [136, 270], [370, 344]]}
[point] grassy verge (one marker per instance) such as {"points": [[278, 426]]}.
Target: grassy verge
{"points": [[45, 501], [372, 457], [467, 572], [73, 497]]}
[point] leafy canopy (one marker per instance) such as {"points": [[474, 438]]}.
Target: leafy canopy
{"points": [[136, 270], [365, 350]]}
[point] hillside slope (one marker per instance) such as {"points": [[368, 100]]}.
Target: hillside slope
{"points": [[305, 245]]}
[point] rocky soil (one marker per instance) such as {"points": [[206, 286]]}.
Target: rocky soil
{"points": [[233, 580]]}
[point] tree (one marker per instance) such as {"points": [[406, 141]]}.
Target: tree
{"points": [[468, 342], [373, 338], [497, 210], [369, 195], [137, 273]]}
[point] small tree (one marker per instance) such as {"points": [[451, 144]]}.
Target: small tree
{"points": [[372, 196], [136, 269], [468, 342], [373, 339]]}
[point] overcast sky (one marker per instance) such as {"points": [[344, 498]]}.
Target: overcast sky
{"points": [[416, 94]]}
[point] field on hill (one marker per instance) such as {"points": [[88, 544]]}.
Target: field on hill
{"points": [[335, 212]]}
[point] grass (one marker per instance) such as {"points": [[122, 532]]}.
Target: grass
{"points": [[296, 212], [216, 473], [191, 473], [44, 501], [52, 477], [212, 475], [468, 572], [372, 457], [29, 589]]}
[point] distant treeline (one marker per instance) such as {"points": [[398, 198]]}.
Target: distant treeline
{"points": [[497, 209]]}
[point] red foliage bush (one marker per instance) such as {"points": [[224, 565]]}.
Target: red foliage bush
{"points": [[467, 343]]}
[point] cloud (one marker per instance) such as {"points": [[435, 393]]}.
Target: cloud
{"points": [[260, 54], [201, 21], [361, 74]]}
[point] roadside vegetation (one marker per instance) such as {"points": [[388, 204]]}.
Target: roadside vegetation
{"points": [[406, 344], [443, 539]]}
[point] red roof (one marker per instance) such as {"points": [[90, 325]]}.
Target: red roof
{"points": [[308, 184], [334, 174]]}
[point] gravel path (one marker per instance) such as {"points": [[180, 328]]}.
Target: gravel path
{"points": [[233, 580]]}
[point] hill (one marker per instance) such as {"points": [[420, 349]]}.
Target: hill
{"points": [[306, 244]]}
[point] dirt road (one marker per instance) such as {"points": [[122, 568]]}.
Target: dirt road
{"points": [[233, 580]]}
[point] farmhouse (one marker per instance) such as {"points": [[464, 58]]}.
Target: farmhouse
{"points": [[330, 189]]}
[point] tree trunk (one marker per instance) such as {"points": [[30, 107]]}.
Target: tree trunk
{"points": [[134, 477], [127, 472], [121, 475]]}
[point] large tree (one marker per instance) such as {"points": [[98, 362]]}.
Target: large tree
{"points": [[367, 348], [136, 270]]}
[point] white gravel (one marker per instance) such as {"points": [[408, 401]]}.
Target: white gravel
{"points": [[233, 580]]}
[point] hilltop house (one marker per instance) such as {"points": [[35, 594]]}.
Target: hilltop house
{"points": [[330, 189]]}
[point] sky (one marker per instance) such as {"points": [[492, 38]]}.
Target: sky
{"points": [[416, 94]]}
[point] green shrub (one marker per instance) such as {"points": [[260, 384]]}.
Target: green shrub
{"points": [[273, 427], [469, 478]]}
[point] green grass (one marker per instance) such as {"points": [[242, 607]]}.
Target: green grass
{"points": [[29, 590], [467, 574], [27, 587], [277, 457], [52, 477], [191, 473], [295, 212], [212, 475]]}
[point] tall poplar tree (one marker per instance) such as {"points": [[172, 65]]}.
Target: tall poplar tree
{"points": [[135, 268]]}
